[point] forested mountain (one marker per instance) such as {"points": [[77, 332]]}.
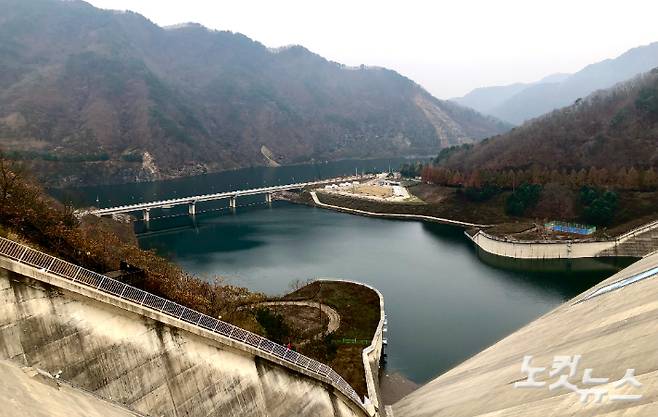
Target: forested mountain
{"points": [[519, 102], [611, 130], [90, 96]]}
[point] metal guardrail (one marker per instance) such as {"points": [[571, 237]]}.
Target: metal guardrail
{"points": [[82, 276], [617, 239], [637, 231]]}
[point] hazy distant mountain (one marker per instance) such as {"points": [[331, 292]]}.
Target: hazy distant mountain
{"points": [[94, 96], [613, 129], [486, 99], [518, 103]]}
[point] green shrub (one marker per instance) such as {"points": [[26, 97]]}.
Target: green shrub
{"points": [[599, 206], [523, 198], [411, 169], [274, 325], [647, 101], [132, 157], [479, 194]]}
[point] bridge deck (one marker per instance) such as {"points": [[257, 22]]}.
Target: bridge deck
{"points": [[219, 196]]}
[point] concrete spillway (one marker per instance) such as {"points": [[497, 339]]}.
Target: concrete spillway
{"points": [[146, 361]]}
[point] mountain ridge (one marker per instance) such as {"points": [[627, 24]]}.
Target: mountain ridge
{"points": [[612, 129], [517, 104], [101, 93]]}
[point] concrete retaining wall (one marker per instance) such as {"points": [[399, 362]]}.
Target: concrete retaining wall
{"points": [[557, 249], [373, 353], [149, 362], [394, 216], [538, 250]]}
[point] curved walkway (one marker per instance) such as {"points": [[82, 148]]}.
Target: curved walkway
{"points": [[334, 317], [395, 215]]}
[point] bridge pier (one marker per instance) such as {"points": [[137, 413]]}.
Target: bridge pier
{"points": [[193, 199]]}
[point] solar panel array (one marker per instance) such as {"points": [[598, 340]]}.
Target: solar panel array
{"points": [[82, 276]]}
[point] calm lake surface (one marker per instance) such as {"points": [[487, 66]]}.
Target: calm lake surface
{"points": [[445, 301]]}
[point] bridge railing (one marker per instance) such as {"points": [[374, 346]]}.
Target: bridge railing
{"points": [[208, 197], [85, 277]]}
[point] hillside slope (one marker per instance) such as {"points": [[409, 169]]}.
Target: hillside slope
{"points": [[518, 102], [612, 129], [91, 96]]}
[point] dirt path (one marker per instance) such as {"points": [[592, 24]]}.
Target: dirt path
{"points": [[334, 317]]}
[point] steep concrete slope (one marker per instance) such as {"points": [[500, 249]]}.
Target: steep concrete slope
{"points": [[145, 360], [613, 332], [29, 392]]}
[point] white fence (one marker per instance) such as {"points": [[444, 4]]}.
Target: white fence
{"points": [[553, 249]]}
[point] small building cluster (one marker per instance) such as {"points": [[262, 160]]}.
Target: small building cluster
{"points": [[341, 185]]}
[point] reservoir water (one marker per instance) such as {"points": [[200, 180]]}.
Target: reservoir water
{"points": [[445, 301]]}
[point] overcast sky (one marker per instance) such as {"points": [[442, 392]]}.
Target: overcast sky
{"points": [[448, 46]]}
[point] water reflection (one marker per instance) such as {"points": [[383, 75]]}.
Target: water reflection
{"points": [[566, 277], [445, 300]]}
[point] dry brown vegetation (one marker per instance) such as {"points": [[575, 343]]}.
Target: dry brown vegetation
{"points": [[85, 103], [28, 214], [445, 202], [608, 138], [594, 162]]}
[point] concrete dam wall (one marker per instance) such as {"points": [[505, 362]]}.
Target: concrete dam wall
{"points": [[144, 360], [610, 328]]}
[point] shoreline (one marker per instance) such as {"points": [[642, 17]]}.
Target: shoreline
{"points": [[393, 216], [59, 186], [637, 243]]}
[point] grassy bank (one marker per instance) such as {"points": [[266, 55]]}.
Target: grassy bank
{"points": [[445, 202], [358, 307]]}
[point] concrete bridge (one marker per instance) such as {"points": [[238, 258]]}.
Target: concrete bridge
{"points": [[232, 196]]}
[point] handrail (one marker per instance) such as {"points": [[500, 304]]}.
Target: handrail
{"points": [[82, 276], [617, 239], [376, 341]]}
